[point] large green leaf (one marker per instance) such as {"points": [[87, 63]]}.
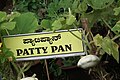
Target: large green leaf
{"points": [[99, 4], [25, 23], [8, 25], [2, 16], [111, 48]]}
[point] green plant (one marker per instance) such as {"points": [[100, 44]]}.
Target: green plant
{"points": [[35, 6], [6, 21], [97, 45], [64, 21], [108, 42], [12, 24], [66, 14]]}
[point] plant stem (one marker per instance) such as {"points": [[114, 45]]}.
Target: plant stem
{"points": [[97, 51], [7, 32], [117, 36], [83, 40], [90, 36], [46, 66], [19, 76], [106, 23], [76, 28], [15, 66], [69, 11], [108, 27], [28, 67], [78, 37]]}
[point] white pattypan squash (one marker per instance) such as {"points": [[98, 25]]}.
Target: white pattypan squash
{"points": [[88, 61], [29, 78]]}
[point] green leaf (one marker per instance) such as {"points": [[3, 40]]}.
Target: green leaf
{"points": [[46, 24], [8, 25], [5, 54], [9, 54], [75, 4], [56, 25], [13, 15], [33, 0], [65, 3], [106, 45], [82, 7], [62, 19], [53, 7], [70, 19], [115, 52], [117, 11], [111, 48], [98, 40], [25, 23], [99, 4], [92, 17], [2, 16], [55, 69], [116, 28], [67, 63], [3, 59]]}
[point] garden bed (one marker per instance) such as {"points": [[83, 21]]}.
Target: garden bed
{"points": [[101, 28]]}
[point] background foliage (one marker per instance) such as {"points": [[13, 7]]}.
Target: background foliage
{"points": [[28, 16]]}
